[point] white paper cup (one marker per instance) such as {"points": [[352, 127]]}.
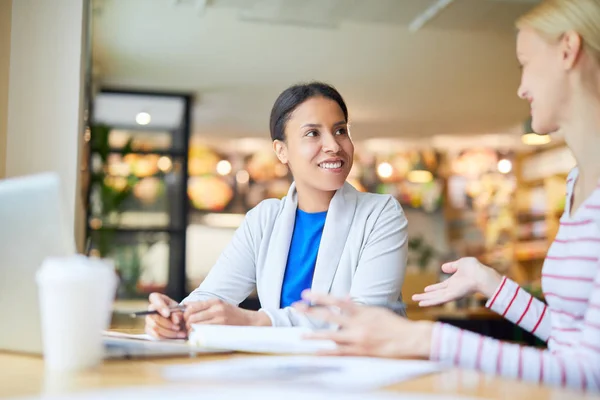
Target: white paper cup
{"points": [[76, 296]]}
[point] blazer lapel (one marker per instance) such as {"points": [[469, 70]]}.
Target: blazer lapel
{"points": [[279, 247], [335, 234]]}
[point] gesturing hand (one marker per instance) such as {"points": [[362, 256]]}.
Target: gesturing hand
{"points": [[468, 276], [367, 331]]}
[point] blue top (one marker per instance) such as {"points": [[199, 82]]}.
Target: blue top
{"points": [[302, 256]]}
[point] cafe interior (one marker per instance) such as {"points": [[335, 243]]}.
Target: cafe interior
{"points": [[179, 148], [175, 146]]}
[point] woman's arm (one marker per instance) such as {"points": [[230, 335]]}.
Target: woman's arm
{"points": [[521, 308], [380, 272], [233, 276], [231, 279], [376, 332], [579, 367], [505, 297]]}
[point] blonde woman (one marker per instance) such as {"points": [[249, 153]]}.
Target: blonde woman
{"points": [[558, 47]]}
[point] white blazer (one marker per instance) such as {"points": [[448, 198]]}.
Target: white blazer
{"points": [[362, 253]]}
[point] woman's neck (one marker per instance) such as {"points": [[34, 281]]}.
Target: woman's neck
{"points": [[582, 135], [312, 200]]}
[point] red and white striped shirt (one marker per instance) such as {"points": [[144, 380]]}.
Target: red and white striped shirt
{"points": [[570, 323]]}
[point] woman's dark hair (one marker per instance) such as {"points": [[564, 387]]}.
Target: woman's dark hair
{"points": [[295, 95]]}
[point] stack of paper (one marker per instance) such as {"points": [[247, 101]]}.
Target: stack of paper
{"points": [[257, 339], [339, 373]]}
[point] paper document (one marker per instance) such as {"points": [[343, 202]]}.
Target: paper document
{"points": [[119, 345], [257, 339], [341, 373], [141, 336]]}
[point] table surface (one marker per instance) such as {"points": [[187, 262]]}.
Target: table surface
{"points": [[23, 375]]}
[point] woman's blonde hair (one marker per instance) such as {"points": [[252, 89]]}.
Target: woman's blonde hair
{"points": [[553, 18]]}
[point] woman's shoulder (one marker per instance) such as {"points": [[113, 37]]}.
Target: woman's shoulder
{"points": [[368, 199], [266, 210], [376, 204]]}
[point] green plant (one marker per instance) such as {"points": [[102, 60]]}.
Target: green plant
{"points": [[420, 252], [111, 198]]}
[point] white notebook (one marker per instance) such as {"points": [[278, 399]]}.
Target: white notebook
{"points": [[257, 339]]}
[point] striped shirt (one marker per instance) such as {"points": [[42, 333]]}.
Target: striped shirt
{"points": [[569, 323]]}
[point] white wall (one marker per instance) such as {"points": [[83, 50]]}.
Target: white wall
{"points": [[5, 17], [45, 97]]}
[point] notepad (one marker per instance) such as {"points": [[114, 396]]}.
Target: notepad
{"points": [[136, 336], [119, 345], [252, 339]]}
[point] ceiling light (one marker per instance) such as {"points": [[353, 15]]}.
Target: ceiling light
{"points": [[385, 170], [143, 118], [223, 167], [504, 166]]}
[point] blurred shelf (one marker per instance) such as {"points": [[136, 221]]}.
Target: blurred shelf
{"points": [[158, 152], [169, 230]]}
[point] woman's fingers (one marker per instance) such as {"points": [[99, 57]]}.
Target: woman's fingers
{"points": [[436, 286], [428, 295], [177, 318], [326, 314], [450, 267], [433, 298], [432, 302], [163, 322], [345, 305], [199, 306], [155, 329], [161, 303], [202, 317]]}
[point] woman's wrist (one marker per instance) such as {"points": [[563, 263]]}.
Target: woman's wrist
{"points": [[259, 318], [424, 333], [488, 281]]}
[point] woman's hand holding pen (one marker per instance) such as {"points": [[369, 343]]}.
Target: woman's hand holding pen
{"points": [[367, 331], [468, 276], [219, 312], [170, 324], [166, 324]]}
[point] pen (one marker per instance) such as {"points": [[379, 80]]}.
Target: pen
{"points": [[152, 312]]}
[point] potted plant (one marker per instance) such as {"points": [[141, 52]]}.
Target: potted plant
{"points": [[112, 192]]}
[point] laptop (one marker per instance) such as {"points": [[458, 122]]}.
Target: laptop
{"points": [[33, 227]]}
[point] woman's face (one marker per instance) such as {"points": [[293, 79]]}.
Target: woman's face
{"points": [[317, 146], [544, 78]]}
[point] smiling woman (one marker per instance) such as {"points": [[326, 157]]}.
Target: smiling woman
{"points": [[323, 235]]}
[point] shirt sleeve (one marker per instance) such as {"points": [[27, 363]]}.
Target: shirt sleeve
{"points": [[521, 308], [381, 268], [577, 367], [233, 277]]}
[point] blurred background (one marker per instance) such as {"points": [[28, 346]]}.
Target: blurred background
{"points": [[178, 147]]}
